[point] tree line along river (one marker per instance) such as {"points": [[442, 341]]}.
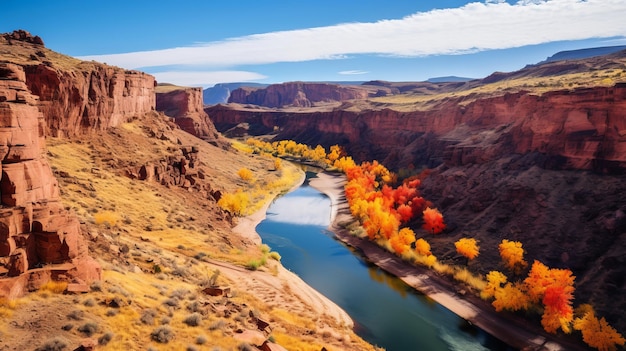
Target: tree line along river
{"points": [[386, 311]]}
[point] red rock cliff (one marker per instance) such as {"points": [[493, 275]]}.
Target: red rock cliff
{"points": [[298, 94], [581, 129], [91, 97], [187, 108], [39, 240]]}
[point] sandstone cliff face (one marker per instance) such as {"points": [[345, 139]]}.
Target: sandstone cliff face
{"points": [[298, 94], [187, 108], [582, 129], [90, 99], [39, 240]]}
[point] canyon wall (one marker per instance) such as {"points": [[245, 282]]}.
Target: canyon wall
{"points": [[546, 170], [582, 129], [39, 240], [90, 97], [186, 106], [299, 94]]}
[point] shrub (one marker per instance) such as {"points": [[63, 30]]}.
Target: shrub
{"points": [[76, 315], [253, 265], [56, 344], [275, 256], [171, 302], [245, 174], [148, 317], [88, 328], [162, 335], [201, 340], [220, 324], [104, 339], [107, 217], [193, 320], [54, 287]]}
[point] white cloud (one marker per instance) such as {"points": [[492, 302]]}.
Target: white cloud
{"points": [[205, 78], [353, 72], [474, 27]]}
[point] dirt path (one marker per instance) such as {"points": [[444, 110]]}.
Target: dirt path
{"points": [[505, 326]]}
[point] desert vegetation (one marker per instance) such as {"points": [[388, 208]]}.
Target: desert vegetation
{"points": [[160, 247]]}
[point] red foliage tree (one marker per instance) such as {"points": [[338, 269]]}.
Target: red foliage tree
{"points": [[433, 220]]}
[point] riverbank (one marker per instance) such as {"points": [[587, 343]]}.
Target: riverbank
{"points": [[284, 279], [507, 327]]}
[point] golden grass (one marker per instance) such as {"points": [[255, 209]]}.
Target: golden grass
{"points": [[166, 88], [295, 344], [54, 287], [536, 85], [7, 306], [477, 282], [154, 223]]}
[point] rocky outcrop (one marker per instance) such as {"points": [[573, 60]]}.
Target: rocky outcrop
{"points": [[299, 94], [581, 129], [39, 240], [91, 98], [77, 97], [187, 108]]}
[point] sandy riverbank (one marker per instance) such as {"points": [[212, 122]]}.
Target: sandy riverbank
{"points": [[505, 326], [284, 279]]}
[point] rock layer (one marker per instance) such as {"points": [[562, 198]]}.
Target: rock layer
{"points": [[298, 94], [582, 129], [187, 108], [39, 240], [91, 98]]}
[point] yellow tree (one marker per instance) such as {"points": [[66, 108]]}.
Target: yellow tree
{"points": [[512, 255], [422, 247], [245, 174], [401, 242], [495, 280], [555, 289], [598, 333], [467, 247], [510, 297]]}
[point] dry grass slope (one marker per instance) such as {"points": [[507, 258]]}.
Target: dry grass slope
{"points": [[159, 246]]}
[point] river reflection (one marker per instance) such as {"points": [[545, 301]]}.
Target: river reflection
{"points": [[386, 311]]}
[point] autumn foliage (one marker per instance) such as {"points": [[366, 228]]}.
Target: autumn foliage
{"points": [[385, 207], [433, 220], [467, 247], [512, 255], [245, 174], [598, 333]]}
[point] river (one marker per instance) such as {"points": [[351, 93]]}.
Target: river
{"points": [[386, 311]]}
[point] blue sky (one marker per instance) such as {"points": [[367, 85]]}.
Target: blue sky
{"points": [[201, 43]]}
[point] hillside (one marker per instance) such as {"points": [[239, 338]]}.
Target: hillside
{"points": [[536, 155], [152, 261]]}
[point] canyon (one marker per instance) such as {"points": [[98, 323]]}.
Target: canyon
{"points": [[541, 162], [110, 206], [518, 156]]}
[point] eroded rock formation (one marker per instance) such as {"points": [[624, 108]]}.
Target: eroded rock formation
{"points": [[39, 240], [583, 129], [92, 98], [187, 108], [298, 94]]}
